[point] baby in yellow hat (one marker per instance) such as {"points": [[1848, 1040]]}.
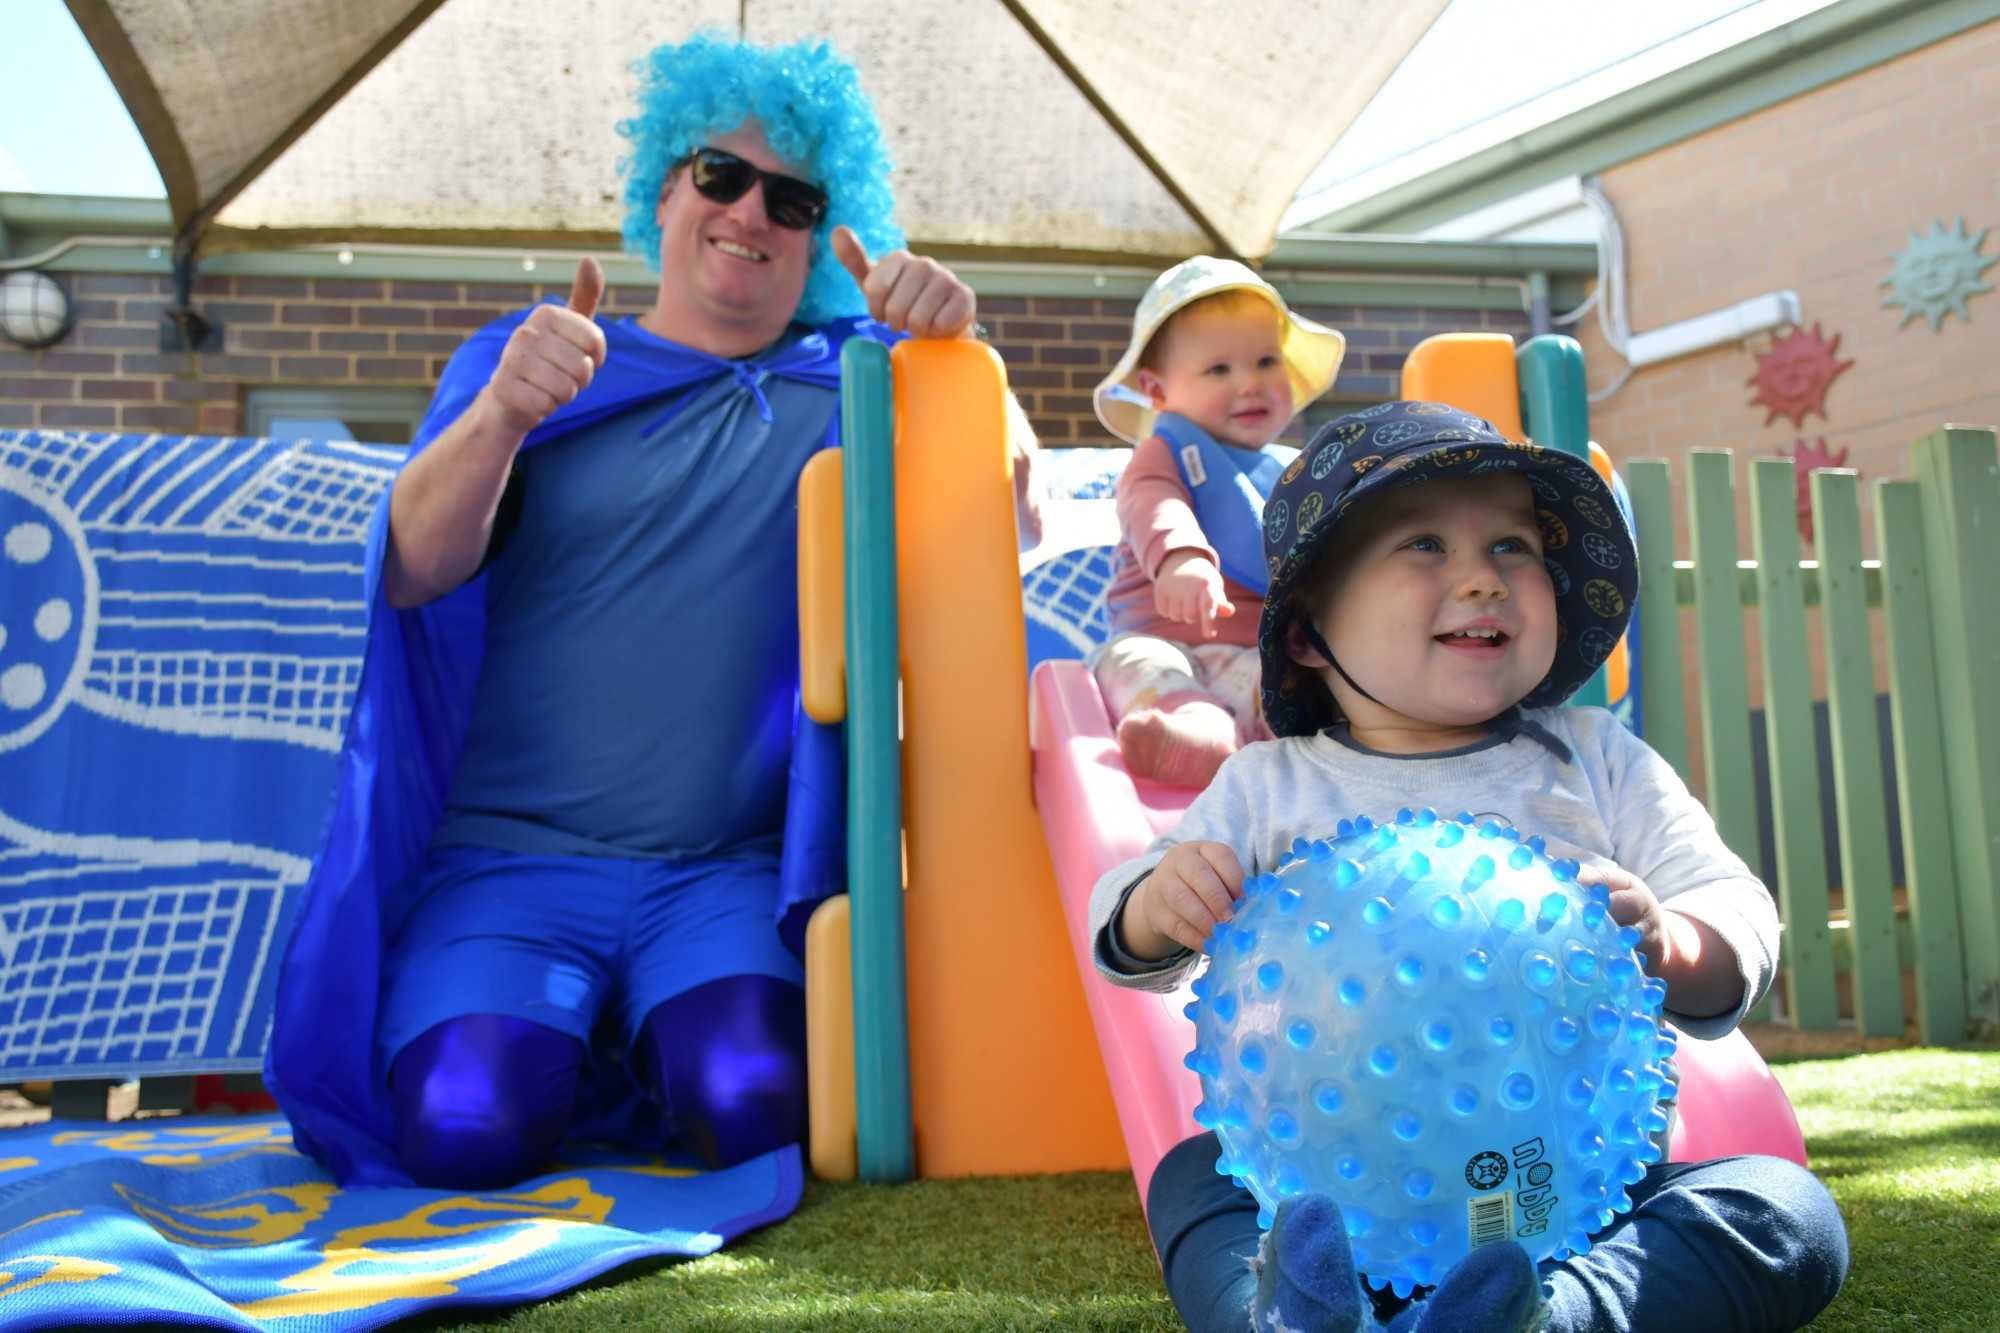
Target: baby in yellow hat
{"points": [[1217, 367]]}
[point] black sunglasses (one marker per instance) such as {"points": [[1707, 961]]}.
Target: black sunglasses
{"points": [[725, 178]]}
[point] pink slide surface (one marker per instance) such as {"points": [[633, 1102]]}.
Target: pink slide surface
{"points": [[1095, 815]]}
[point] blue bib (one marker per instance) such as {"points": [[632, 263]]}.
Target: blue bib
{"points": [[1229, 486]]}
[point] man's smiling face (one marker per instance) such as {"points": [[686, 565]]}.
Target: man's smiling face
{"points": [[737, 269]]}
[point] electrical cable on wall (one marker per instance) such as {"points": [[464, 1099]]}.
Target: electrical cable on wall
{"points": [[1608, 296], [1736, 323]]}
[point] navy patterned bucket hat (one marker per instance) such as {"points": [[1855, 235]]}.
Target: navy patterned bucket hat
{"points": [[1585, 542]]}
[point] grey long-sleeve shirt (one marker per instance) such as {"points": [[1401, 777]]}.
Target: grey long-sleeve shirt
{"points": [[1614, 802]]}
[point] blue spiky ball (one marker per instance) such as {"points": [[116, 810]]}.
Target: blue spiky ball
{"points": [[1431, 1022]]}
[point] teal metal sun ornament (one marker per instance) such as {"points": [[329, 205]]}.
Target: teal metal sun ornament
{"points": [[1937, 273]]}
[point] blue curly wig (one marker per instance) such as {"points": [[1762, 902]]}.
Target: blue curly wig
{"points": [[813, 112]]}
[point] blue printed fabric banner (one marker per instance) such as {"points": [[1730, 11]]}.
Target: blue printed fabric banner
{"points": [[181, 624], [217, 1222]]}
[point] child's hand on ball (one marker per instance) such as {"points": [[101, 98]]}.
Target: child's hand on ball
{"points": [[1633, 904], [1195, 885], [1700, 970]]}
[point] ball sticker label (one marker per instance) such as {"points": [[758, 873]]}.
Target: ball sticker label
{"points": [[1489, 1218], [1486, 1171]]}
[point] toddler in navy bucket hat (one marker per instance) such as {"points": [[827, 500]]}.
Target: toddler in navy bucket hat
{"points": [[1436, 592], [1562, 582]]}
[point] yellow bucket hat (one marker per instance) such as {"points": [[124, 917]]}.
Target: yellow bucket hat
{"points": [[1312, 351]]}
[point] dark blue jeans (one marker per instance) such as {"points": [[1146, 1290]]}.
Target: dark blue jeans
{"points": [[1742, 1243]]}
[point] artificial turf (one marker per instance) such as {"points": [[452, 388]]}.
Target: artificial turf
{"points": [[1909, 1143], [1907, 1140], [1044, 1252]]}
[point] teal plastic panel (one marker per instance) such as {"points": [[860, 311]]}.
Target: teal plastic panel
{"points": [[884, 1145], [1555, 403], [1555, 411]]}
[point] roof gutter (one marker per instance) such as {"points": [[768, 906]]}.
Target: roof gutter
{"points": [[92, 234], [1411, 254], [1775, 66]]}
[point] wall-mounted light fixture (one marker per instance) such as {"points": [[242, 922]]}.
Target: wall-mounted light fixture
{"points": [[35, 309]]}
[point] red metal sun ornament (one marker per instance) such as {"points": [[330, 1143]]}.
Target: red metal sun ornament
{"points": [[1806, 460], [1792, 377]]}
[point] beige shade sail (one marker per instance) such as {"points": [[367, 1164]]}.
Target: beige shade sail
{"points": [[1020, 128]]}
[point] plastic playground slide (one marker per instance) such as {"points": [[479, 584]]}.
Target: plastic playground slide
{"points": [[929, 1097], [1095, 815]]}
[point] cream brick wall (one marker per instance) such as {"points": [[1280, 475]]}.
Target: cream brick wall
{"points": [[1814, 194]]}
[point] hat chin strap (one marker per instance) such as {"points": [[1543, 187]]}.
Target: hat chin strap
{"points": [[1319, 646], [1509, 723]]}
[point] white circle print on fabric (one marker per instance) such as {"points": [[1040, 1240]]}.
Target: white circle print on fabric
{"points": [[48, 622], [52, 619]]}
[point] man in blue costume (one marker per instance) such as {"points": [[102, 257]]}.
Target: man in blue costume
{"points": [[552, 877]]}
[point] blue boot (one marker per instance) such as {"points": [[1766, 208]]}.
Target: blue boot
{"points": [[1306, 1281], [1495, 1289]]}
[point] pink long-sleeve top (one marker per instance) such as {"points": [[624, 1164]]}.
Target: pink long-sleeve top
{"points": [[1155, 519]]}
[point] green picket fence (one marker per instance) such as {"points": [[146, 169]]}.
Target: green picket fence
{"points": [[1937, 583]]}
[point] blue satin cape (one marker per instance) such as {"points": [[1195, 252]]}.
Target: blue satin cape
{"points": [[419, 670]]}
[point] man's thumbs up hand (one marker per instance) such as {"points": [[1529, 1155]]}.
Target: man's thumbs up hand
{"points": [[587, 289], [909, 293], [551, 357]]}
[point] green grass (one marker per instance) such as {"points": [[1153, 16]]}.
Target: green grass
{"points": [[1049, 1252], [1908, 1141]]}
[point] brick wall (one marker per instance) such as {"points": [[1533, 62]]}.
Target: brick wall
{"points": [[1814, 194], [1057, 349], [109, 374]]}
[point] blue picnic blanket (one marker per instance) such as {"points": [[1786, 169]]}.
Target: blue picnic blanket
{"points": [[218, 1222]]}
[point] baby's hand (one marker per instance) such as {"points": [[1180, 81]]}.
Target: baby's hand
{"points": [[1188, 589], [1195, 885]]}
